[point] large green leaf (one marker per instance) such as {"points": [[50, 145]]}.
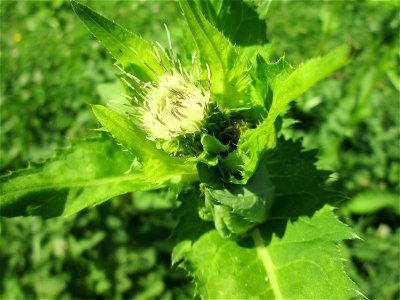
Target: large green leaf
{"points": [[294, 257], [303, 263], [157, 164], [286, 84], [229, 80], [87, 173], [120, 42]]}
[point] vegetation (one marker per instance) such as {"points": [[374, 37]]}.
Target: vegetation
{"points": [[122, 248]]}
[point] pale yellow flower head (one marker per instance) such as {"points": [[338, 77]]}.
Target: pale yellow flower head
{"points": [[172, 108], [175, 106]]}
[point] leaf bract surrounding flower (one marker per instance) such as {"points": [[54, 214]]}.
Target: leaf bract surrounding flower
{"points": [[230, 80]]}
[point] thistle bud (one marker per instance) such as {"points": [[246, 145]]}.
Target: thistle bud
{"points": [[175, 107], [172, 109]]}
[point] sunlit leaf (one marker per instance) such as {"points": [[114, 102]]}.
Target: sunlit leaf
{"points": [[286, 84], [155, 162], [302, 263], [121, 43], [228, 71], [87, 173]]}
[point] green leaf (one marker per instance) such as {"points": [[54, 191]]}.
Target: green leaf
{"points": [[299, 186], [212, 145], [212, 148], [302, 263], [235, 19], [229, 80], [241, 163], [286, 85], [260, 6], [126, 132], [209, 175], [274, 73], [120, 42], [285, 260], [238, 208], [157, 164], [87, 173], [306, 75]]}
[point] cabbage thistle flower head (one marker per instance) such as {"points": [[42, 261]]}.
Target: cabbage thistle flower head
{"points": [[175, 104]]}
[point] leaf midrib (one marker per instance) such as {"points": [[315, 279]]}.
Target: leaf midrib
{"points": [[101, 26], [268, 264], [218, 57], [77, 183]]}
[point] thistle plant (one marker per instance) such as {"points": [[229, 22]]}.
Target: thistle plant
{"points": [[250, 201]]}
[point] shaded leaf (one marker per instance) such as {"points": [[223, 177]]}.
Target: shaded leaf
{"points": [[209, 175], [260, 6], [236, 20], [238, 208], [299, 185]]}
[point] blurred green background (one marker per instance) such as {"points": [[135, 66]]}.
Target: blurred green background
{"points": [[51, 69]]}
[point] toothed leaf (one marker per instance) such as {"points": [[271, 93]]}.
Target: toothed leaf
{"points": [[305, 76], [302, 263], [293, 255], [121, 43], [156, 162], [235, 19], [87, 173], [229, 80], [286, 84]]}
